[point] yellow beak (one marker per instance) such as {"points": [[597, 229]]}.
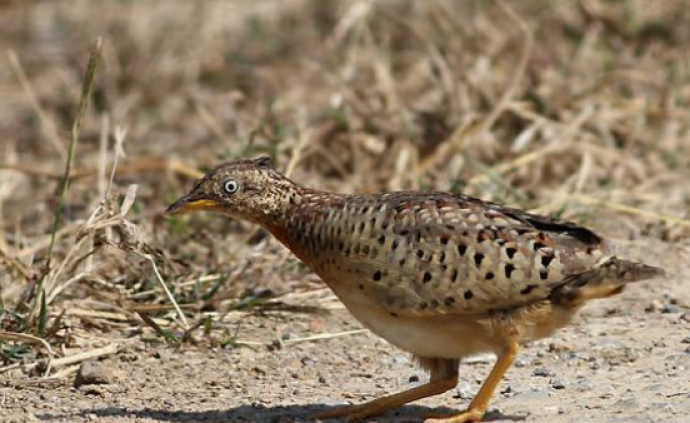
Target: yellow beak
{"points": [[187, 205]]}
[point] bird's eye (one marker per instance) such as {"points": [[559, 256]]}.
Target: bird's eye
{"points": [[231, 186]]}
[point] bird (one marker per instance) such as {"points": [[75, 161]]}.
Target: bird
{"points": [[444, 276]]}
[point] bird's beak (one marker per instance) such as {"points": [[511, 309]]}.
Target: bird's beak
{"points": [[190, 203]]}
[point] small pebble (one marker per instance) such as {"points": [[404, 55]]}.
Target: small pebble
{"points": [[464, 391], [557, 384], [685, 316], [520, 362], [653, 306], [414, 379], [559, 347], [163, 355], [94, 373], [670, 308], [543, 372]]}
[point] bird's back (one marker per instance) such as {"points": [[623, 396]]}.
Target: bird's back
{"points": [[438, 253]]}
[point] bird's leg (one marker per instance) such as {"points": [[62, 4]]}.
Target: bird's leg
{"points": [[475, 412], [442, 379]]}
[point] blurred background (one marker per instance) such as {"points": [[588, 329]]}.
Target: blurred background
{"points": [[578, 109]]}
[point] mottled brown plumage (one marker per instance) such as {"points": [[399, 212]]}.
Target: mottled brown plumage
{"points": [[440, 275]]}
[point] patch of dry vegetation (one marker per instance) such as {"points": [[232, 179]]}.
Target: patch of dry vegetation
{"points": [[577, 108]]}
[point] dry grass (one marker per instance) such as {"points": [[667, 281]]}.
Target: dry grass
{"points": [[575, 108]]}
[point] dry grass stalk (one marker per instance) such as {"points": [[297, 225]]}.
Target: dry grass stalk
{"points": [[94, 59]]}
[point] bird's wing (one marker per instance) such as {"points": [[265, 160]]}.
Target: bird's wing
{"points": [[452, 254]]}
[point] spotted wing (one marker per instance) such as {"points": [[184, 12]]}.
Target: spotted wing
{"points": [[443, 253]]}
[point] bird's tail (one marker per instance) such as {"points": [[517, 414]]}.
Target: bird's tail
{"points": [[607, 279]]}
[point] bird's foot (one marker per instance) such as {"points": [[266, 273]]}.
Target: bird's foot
{"points": [[470, 415]]}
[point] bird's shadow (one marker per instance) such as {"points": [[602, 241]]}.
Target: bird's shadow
{"points": [[275, 414]]}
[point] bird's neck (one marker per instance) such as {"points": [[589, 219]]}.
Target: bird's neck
{"points": [[302, 221]]}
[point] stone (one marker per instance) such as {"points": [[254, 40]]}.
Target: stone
{"points": [[543, 372], [94, 373], [557, 384]]}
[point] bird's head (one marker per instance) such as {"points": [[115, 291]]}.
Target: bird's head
{"points": [[245, 189]]}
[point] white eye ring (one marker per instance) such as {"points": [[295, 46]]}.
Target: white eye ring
{"points": [[231, 186]]}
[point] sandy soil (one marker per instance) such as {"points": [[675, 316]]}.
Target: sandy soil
{"points": [[623, 360]]}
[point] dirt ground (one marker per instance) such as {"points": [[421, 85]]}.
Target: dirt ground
{"points": [[577, 109], [623, 360]]}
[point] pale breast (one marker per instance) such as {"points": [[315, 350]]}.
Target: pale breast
{"points": [[441, 336]]}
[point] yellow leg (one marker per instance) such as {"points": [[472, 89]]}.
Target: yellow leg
{"points": [[354, 412], [475, 412]]}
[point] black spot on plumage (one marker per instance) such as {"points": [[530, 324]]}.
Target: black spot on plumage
{"points": [[486, 235], [444, 240], [442, 257], [546, 260], [544, 274], [539, 246], [489, 276], [478, 258], [529, 288], [377, 275], [462, 249], [449, 301], [509, 269], [427, 277], [423, 306], [382, 239], [468, 295], [510, 252], [395, 244], [454, 275], [420, 253]]}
